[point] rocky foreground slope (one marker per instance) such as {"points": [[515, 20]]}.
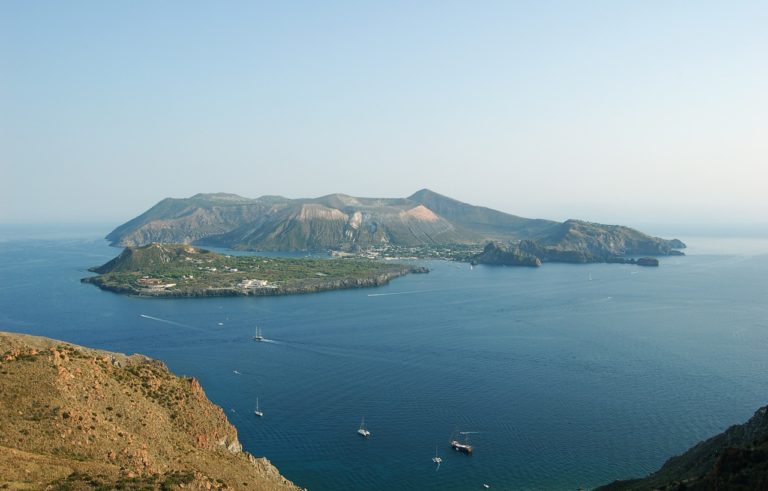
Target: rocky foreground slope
{"points": [[77, 418], [736, 460]]}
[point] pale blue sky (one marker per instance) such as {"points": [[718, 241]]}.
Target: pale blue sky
{"points": [[628, 112]]}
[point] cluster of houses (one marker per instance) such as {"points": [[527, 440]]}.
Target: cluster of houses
{"points": [[155, 283], [251, 284]]}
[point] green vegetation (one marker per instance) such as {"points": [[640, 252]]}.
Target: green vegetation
{"points": [[180, 270]]}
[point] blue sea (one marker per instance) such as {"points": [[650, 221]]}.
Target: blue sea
{"points": [[569, 375]]}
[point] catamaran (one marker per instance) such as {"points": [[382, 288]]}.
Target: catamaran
{"points": [[362, 431], [257, 412], [437, 459], [258, 336]]}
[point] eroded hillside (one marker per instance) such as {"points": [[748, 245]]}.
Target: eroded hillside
{"points": [[77, 418]]}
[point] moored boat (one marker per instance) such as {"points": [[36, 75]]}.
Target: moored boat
{"points": [[362, 431], [462, 446]]}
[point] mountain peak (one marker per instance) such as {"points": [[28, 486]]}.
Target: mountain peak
{"points": [[220, 197], [426, 193]]}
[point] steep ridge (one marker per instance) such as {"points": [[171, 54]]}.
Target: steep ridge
{"points": [[605, 240], [492, 224], [736, 459], [78, 418]]}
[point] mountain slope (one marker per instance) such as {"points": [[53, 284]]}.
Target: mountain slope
{"points": [[736, 459], [344, 222], [492, 224], [99, 420], [604, 240]]}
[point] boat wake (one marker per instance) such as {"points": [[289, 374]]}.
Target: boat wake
{"points": [[397, 293], [165, 321]]}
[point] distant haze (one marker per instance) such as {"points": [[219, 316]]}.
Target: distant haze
{"points": [[620, 112]]}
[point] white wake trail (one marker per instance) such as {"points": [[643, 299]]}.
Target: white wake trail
{"points": [[165, 321], [398, 293]]}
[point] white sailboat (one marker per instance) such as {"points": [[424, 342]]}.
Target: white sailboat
{"points": [[362, 431], [258, 336], [257, 412]]}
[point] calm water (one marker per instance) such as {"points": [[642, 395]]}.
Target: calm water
{"points": [[569, 381]]}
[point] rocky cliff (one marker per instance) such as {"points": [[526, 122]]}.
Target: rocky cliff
{"points": [[534, 253], [499, 254], [77, 418], [736, 459], [602, 241]]}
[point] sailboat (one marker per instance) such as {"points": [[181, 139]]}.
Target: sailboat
{"points": [[437, 459], [258, 336], [362, 431], [257, 412]]}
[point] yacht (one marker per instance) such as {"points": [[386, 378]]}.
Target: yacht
{"points": [[257, 412], [462, 446]]}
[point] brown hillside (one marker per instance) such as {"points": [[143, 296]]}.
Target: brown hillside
{"points": [[77, 418]]}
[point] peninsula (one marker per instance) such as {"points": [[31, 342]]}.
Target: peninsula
{"points": [[176, 270], [78, 418]]}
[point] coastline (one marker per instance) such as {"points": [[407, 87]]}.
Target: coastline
{"points": [[289, 288]]}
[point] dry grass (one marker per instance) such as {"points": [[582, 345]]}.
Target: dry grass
{"points": [[75, 418]]}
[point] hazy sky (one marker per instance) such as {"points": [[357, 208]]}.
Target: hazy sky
{"points": [[612, 111]]}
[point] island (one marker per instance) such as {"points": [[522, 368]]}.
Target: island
{"points": [[424, 225], [78, 418], [178, 270]]}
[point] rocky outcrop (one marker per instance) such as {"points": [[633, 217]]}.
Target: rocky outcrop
{"points": [[99, 420], [558, 254], [647, 261], [603, 241], [736, 459], [531, 253], [498, 254], [580, 242]]}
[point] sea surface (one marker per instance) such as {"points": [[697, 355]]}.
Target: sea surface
{"points": [[569, 375]]}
